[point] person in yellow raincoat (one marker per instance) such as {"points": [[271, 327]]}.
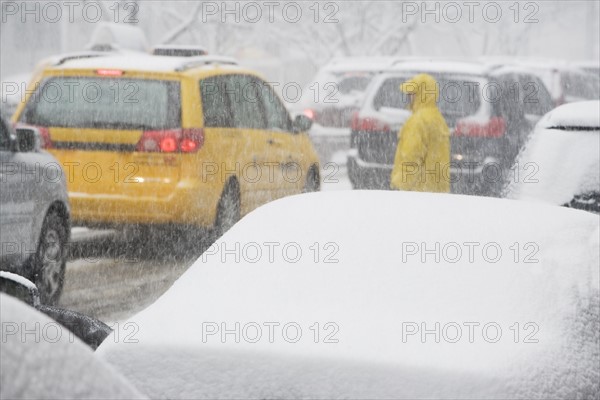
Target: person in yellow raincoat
{"points": [[422, 161]]}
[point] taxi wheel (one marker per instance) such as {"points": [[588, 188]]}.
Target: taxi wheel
{"points": [[228, 209], [50, 259]]}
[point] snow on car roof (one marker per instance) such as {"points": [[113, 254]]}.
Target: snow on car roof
{"points": [[358, 279], [580, 114], [435, 66], [138, 62]]}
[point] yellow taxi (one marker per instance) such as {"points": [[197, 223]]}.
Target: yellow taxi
{"points": [[155, 140]]}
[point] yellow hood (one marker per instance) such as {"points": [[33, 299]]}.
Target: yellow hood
{"points": [[425, 89]]}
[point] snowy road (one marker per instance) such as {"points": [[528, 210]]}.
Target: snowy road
{"points": [[111, 276]]}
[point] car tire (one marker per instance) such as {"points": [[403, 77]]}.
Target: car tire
{"points": [[228, 209], [49, 261], [313, 181]]}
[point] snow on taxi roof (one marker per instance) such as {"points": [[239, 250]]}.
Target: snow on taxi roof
{"points": [[144, 62]]}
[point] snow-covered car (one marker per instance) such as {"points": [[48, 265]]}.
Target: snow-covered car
{"points": [[34, 211], [565, 82], [591, 67], [42, 360], [561, 162], [416, 298], [489, 111]]}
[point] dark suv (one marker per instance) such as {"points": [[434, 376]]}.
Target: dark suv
{"points": [[489, 112], [34, 211]]}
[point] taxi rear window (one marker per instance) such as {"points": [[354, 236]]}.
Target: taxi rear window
{"points": [[105, 103]]}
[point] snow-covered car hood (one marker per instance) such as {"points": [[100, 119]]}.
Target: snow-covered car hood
{"points": [[343, 296], [561, 158]]}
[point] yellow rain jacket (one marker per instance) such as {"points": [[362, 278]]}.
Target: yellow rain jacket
{"points": [[422, 161]]}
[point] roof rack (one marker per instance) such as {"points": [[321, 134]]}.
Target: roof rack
{"points": [[59, 60], [199, 61]]}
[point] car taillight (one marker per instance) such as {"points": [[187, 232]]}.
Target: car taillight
{"points": [[171, 141], [191, 140], [109, 72], [310, 113], [368, 124], [495, 127], [45, 136]]}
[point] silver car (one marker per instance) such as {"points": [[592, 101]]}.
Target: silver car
{"points": [[34, 211]]}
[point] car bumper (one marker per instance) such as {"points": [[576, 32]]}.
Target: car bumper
{"points": [[190, 203], [483, 179]]}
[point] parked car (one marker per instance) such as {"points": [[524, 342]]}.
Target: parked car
{"points": [[338, 89], [186, 141], [565, 82], [591, 67], [41, 360], [419, 297], [561, 162], [489, 113], [34, 211]]}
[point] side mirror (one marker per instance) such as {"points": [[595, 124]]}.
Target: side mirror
{"points": [[29, 139], [19, 287], [90, 330], [301, 123]]}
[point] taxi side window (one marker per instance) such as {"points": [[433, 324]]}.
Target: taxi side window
{"points": [[278, 118], [246, 103], [215, 102]]}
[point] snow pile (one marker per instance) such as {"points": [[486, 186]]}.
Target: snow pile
{"points": [[557, 164], [379, 295], [42, 360]]}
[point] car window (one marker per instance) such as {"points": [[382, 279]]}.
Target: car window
{"points": [[105, 103], [276, 114], [535, 98], [584, 86], [389, 94], [353, 83], [4, 137], [458, 98], [215, 102], [246, 106]]}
